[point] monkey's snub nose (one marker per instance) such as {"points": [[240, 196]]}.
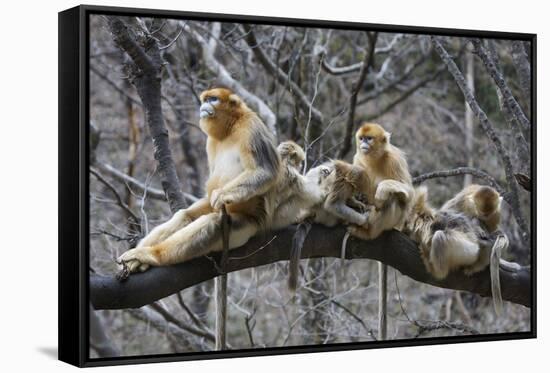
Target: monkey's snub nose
{"points": [[206, 110]]}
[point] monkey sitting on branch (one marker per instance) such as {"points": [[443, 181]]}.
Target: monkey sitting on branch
{"points": [[244, 169], [388, 185], [260, 185], [462, 235]]}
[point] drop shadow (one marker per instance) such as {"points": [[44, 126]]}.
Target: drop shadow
{"points": [[51, 352]]}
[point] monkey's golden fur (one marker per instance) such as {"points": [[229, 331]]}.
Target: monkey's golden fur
{"points": [[389, 186], [478, 201], [243, 167], [340, 182], [454, 237], [294, 194], [293, 197]]}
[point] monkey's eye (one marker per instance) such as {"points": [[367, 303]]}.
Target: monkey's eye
{"points": [[369, 138], [360, 138], [212, 99], [325, 171]]}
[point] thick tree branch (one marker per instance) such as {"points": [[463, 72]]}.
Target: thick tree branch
{"points": [[145, 74], [392, 248]]}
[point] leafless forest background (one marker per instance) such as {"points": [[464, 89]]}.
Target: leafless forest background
{"points": [[313, 86]]}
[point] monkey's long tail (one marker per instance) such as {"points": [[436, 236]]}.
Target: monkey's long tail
{"points": [[501, 243], [296, 252]]}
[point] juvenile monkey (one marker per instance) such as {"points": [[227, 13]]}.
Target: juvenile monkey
{"points": [[294, 194], [340, 183], [243, 167], [389, 187], [292, 199]]}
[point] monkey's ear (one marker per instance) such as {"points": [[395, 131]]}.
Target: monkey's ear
{"points": [[233, 99]]}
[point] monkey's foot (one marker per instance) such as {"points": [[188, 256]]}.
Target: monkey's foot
{"points": [[136, 260], [219, 198]]}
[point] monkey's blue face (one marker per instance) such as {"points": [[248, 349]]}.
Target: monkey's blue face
{"points": [[208, 106], [365, 143]]}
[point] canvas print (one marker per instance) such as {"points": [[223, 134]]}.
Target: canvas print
{"points": [[260, 186]]}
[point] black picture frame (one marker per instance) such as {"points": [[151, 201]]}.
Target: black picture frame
{"points": [[74, 184]]}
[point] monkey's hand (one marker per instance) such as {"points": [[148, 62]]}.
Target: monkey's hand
{"points": [[368, 212], [358, 205], [219, 198], [360, 232], [137, 260]]}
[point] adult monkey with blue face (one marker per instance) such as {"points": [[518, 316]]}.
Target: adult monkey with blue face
{"points": [[243, 167], [389, 189]]}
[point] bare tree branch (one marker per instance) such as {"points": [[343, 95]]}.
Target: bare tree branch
{"points": [[408, 92], [333, 70], [490, 132], [383, 88], [523, 68], [183, 338], [491, 61], [367, 65], [392, 248], [168, 316], [458, 172], [224, 77], [278, 74], [509, 99], [129, 213], [145, 74]]}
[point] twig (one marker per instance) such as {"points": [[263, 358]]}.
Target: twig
{"points": [[366, 66], [458, 172], [426, 326], [225, 78], [119, 200], [278, 74], [138, 185], [408, 92], [192, 315], [170, 318]]}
